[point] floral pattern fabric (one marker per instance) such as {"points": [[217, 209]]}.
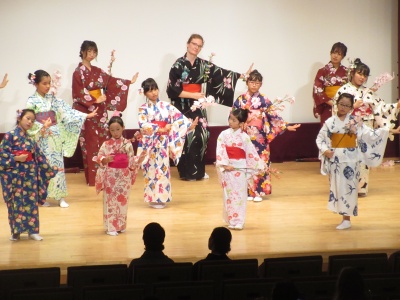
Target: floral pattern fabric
{"points": [[264, 124], [61, 138], [116, 183], [24, 184], [235, 183], [344, 167], [95, 133], [160, 148], [326, 77], [219, 83]]}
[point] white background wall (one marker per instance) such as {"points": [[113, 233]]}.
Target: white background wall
{"points": [[288, 40]]}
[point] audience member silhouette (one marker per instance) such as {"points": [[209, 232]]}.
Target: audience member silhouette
{"points": [[153, 238], [350, 285], [285, 290]]}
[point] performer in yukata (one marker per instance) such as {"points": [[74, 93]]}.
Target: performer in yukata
{"points": [[116, 175], [263, 126], [186, 78], [25, 175], [61, 137], [237, 161], [327, 82], [93, 88], [341, 157], [368, 106], [164, 129]]}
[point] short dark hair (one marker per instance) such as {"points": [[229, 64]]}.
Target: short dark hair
{"points": [[339, 47], [153, 237], [116, 119], [346, 95], [148, 85], [254, 76], [24, 112], [241, 114], [86, 46], [220, 240]]}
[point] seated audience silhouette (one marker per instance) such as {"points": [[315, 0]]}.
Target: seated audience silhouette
{"points": [[350, 285]]}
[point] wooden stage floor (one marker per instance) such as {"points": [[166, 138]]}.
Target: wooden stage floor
{"points": [[293, 221]]}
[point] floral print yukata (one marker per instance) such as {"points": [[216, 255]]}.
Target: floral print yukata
{"points": [[160, 148], [94, 133], [234, 183], [24, 184], [221, 84], [264, 124], [344, 167], [116, 182], [61, 141], [327, 81]]}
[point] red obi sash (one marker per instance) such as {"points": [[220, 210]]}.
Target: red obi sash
{"points": [[21, 152], [121, 161], [43, 116], [367, 111], [161, 124], [254, 120], [192, 87], [235, 152]]}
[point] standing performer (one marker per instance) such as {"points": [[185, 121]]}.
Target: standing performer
{"points": [[4, 82], [25, 175], [263, 126], [61, 137], [88, 83], [368, 106], [327, 82], [184, 87], [164, 129], [340, 156], [116, 175], [237, 161]]}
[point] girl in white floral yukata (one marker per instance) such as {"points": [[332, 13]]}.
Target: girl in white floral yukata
{"points": [[116, 175], [164, 130], [237, 161], [373, 110]]}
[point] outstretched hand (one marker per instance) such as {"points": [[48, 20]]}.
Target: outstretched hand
{"points": [[135, 77], [4, 82], [92, 114], [293, 127]]}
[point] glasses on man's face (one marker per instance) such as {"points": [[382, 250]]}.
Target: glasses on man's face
{"points": [[256, 83], [345, 106], [197, 45]]}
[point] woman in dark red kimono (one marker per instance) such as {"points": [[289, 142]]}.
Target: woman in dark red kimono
{"points": [[94, 88], [184, 87]]}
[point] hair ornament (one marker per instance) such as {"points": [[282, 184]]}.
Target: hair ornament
{"points": [[32, 78], [116, 113]]}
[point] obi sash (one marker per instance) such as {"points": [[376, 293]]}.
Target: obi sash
{"points": [[41, 117], [95, 93], [235, 152], [21, 152], [340, 140], [161, 124], [254, 120], [121, 161], [330, 91], [192, 87]]}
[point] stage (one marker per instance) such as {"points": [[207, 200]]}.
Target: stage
{"points": [[293, 221]]}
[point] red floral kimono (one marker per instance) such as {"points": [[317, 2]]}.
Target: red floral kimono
{"points": [[87, 86]]}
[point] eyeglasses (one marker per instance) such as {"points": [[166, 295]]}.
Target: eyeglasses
{"points": [[197, 45], [345, 106], [254, 82]]}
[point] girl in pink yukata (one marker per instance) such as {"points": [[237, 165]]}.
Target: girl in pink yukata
{"points": [[237, 162], [115, 176]]}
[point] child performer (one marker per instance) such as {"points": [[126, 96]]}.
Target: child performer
{"points": [[341, 157], [115, 176], [263, 125], [25, 176], [60, 138], [368, 106], [164, 129], [237, 160]]}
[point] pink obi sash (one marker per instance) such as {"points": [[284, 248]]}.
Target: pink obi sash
{"points": [[121, 161], [161, 124], [43, 116], [235, 152], [254, 120], [21, 152], [192, 87]]}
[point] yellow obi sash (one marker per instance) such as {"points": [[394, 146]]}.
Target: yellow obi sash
{"points": [[95, 93], [330, 91], [340, 140]]}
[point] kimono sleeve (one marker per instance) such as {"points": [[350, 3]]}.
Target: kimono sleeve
{"points": [[323, 143], [372, 144], [177, 134], [45, 173], [253, 160], [274, 125], [117, 93], [222, 158], [174, 87], [79, 92], [101, 171], [319, 89], [6, 157]]}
